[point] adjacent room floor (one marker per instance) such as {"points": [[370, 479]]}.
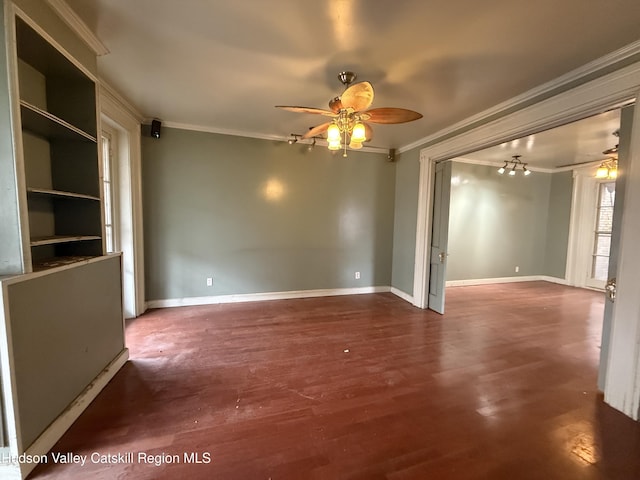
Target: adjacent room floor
{"points": [[361, 387]]}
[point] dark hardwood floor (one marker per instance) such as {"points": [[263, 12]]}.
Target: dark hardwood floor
{"points": [[362, 387]]}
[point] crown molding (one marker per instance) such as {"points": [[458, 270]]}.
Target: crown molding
{"points": [[259, 136], [115, 96], [558, 85], [71, 18]]}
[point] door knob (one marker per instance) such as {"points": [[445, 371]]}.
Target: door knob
{"points": [[443, 256], [610, 289]]}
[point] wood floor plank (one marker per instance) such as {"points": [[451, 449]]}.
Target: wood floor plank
{"points": [[362, 387]]}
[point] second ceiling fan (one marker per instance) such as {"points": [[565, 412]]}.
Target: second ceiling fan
{"points": [[351, 115]]}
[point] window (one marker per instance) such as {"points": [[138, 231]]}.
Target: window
{"points": [[602, 233], [107, 191]]}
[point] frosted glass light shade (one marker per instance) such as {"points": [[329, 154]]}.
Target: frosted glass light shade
{"points": [[333, 133], [358, 135]]}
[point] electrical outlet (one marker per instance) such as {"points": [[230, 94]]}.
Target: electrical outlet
{"points": [[209, 281], [357, 275], [517, 269]]}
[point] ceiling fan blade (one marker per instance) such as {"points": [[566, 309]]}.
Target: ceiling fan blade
{"points": [[335, 104], [317, 111], [392, 115], [358, 96], [317, 130]]}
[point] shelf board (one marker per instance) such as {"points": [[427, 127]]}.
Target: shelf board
{"points": [[53, 239], [60, 194], [59, 262], [48, 125]]}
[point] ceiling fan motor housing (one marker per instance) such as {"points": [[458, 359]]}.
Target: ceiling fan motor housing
{"points": [[347, 78]]}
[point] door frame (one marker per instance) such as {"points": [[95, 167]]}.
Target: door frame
{"points": [[605, 93], [118, 115], [614, 90]]}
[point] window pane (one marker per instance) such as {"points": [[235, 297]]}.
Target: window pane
{"points": [[605, 219], [106, 167], [607, 194], [107, 194], [107, 203], [603, 244], [600, 268], [108, 230]]}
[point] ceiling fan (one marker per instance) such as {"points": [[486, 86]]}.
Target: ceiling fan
{"points": [[351, 115]]}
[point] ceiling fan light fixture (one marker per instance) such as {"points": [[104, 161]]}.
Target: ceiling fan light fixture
{"points": [[349, 112], [608, 169]]}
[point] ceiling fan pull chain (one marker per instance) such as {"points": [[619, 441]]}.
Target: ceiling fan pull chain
{"points": [[345, 143]]}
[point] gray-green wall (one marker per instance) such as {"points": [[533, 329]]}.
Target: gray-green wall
{"points": [[405, 218], [499, 222], [262, 216]]}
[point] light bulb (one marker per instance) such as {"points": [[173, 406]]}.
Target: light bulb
{"points": [[501, 170], [512, 172], [613, 173]]}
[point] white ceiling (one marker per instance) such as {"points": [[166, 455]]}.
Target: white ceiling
{"points": [[223, 65], [573, 144]]}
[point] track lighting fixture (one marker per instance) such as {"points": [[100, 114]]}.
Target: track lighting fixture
{"points": [[513, 165], [296, 137], [293, 139]]}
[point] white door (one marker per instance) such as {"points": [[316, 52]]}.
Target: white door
{"points": [[439, 236], [620, 355], [626, 121]]}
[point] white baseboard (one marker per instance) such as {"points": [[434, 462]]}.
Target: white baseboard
{"points": [[60, 425], [560, 281], [405, 296], [259, 297], [489, 281]]}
